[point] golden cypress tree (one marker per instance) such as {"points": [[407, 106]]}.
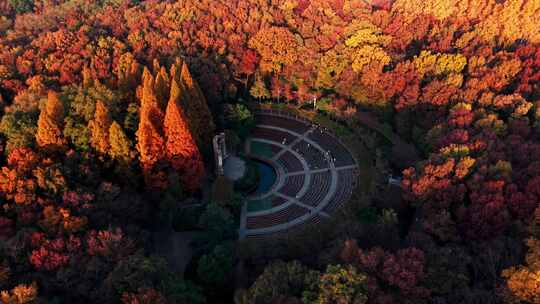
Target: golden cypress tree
{"points": [[99, 127], [161, 87], [149, 98], [150, 140], [50, 123]]}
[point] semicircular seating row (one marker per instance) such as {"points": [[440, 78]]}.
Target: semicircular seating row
{"points": [[319, 185]]}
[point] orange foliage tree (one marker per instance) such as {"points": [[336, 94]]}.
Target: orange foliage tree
{"points": [[150, 141], [182, 152], [99, 128], [524, 281], [20, 294]]}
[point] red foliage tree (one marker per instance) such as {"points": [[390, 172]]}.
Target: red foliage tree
{"points": [[143, 296], [111, 244], [403, 269], [54, 254]]}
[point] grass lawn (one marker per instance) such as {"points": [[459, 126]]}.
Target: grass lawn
{"points": [[261, 149], [259, 205]]}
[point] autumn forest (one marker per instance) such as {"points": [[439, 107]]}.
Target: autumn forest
{"points": [[108, 183]]}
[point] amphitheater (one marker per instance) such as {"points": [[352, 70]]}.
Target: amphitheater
{"points": [[314, 175]]}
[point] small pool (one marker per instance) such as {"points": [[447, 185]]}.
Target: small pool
{"points": [[267, 177]]}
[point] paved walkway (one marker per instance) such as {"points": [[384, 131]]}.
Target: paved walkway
{"points": [[311, 211], [234, 168]]}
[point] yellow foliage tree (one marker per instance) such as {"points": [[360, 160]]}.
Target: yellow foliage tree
{"points": [[501, 22], [331, 65], [439, 64], [366, 47], [120, 145], [369, 54], [50, 122]]}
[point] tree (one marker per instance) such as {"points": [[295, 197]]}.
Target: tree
{"points": [[19, 128], [218, 224], [144, 296], [342, 285], [50, 122], [367, 46], [196, 108], [110, 244], [150, 139], [99, 127], [120, 145], [439, 64], [248, 65], [54, 254], [20, 294], [215, 268], [55, 220], [128, 72], [259, 90], [17, 180], [136, 271], [22, 6], [403, 269], [178, 290], [277, 47], [280, 279], [240, 118], [182, 152], [524, 281]]}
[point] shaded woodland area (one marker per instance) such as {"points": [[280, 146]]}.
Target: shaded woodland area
{"points": [[109, 107]]}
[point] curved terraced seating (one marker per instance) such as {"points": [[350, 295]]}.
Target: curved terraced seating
{"points": [[302, 152], [278, 201], [313, 156], [293, 185], [284, 215], [273, 135], [346, 180], [290, 163], [329, 143], [318, 188]]}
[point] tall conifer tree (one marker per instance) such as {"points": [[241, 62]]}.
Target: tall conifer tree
{"points": [[182, 151], [50, 122]]}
